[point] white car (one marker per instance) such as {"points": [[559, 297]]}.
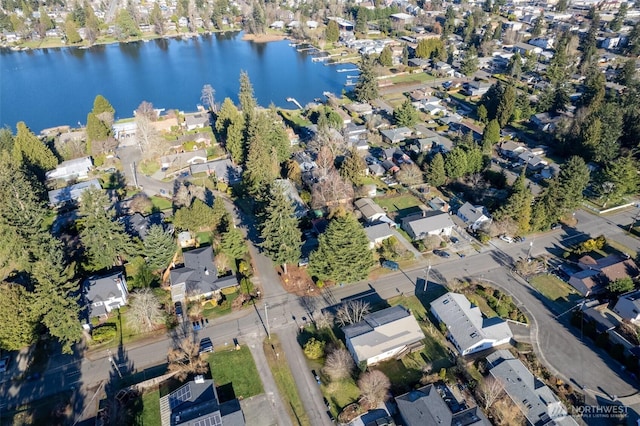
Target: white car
{"points": [[506, 238]]}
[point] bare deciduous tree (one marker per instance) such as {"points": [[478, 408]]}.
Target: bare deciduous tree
{"points": [[490, 391], [331, 191], [144, 311], [374, 387], [184, 359], [324, 320], [410, 174], [339, 364], [352, 312], [146, 109], [147, 137], [140, 203]]}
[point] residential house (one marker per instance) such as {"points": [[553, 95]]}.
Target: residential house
{"points": [[473, 217], [300, 208], [476, 88], [71, 136], [525, 49], [545, 121], [597, 314], [138, 225], [101, 295], [401, 19], [538, 403], [77, 168], [396, 135], [377, 233], [511, 149], [596, 274], [199, 120], [376, 169], [224, 170], [390, 167], [443, 68], [183, 159], [196, 403], [198, 277], [532, 161], [436, 405], [628, 306], [382, 335], [467, 329], [71, 193], [421, 225], [371, 212], [360, 108], [438, 204]]}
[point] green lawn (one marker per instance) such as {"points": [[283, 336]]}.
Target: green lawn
{"points": [[237, 368], [399, 206], [220, 310], [560, 293], [150, 409], [284, 380], [481, 303], [161, 203], [340, 394], [204, 238], [420, 77]]}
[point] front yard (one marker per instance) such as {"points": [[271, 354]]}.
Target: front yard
{"points": [[236, 367], [559, 293]]}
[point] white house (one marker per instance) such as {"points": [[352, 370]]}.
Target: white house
{"points": [[421, 225], [628, 306], [101, 295], [473, 216], [467, 329], [382, 335], [77, 168]]}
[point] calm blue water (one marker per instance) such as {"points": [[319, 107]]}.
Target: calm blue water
{"points": [[52, 87]]}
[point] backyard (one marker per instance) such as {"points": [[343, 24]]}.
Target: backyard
{"points": [[236, 367], [399, 206], [560, 294], [150, 409]]}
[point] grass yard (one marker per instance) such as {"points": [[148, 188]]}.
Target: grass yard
{"points": [[399, 206], [340, 394], [420, 77], [150, 409], [161, 203], [481, 303], [621, 248], [284, 380], [210, 311], [237, 368], [557, 291], [204, 238]]}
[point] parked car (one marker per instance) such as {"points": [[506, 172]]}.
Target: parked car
{"points": [[506, 238], [205, 345], [519, 239], [390, 264], [315, 376], [4, 363], [454, 240], [441, 253], [304, 261], [178, 310], [555, 226]]}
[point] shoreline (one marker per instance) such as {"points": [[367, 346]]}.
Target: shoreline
{"points": [[254, 38]]}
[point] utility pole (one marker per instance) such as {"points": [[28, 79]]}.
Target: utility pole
{"points": [[266, 316], [135, 177], [426, 279], [529, 253], [113, 362], [635, 219]]}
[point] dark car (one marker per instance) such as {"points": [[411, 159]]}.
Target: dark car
{"points": [[178, 310], [454, 240], [441, 253], [315, 376], [206, 345], [390, 264], [555, 226], [4, 364]]}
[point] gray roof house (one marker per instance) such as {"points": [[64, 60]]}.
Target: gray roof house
{"points": [[371, 211], [628, 306], [138, 225], [467, 329], [473, 216], [396, 135], [426, 406], [196, 121], [71, 193], [377, 233], [198, 278], [383, 335], [300, 207], [78, 168], [423, 224], [196, 403], [103, 294], [537, 402], [224, 170]]}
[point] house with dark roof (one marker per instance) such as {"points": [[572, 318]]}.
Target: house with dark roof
{"points": [[421, 225], [473, 216], [538, 403], [596, 274], [436, 405], [138, 225], [198, 120], [198, 277], [71, 193], [224, 170], [467, 328], [102, 294], [382, 335], [396, 135], [196, 403]]}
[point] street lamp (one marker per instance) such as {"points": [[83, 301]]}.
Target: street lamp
{"points": [[426, 279]]}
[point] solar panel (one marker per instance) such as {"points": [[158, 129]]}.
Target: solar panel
{"points": [[213, 420], [179, 396]]}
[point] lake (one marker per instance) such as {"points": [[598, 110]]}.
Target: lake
{"points": [[51, 87]]}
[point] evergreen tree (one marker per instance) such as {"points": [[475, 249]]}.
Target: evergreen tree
{"points": [[159, 247], [430, 48], [361, 20], [436, 175], [18, 320], [343, 253], [353, 167], [30, 152], [278, 135], [71, 32], [261, 166], [332, 32], [562, 5], [230, 128], [619, 18], [633, 41], [6, 139], [449, 22], [280, 234], [611, 131], [233, 244], [248, 102], [589, 45], [99, 119], [518, 206], [515, 66], [538, 26], [103, 237], [386, 58], [572, 181], [506, 105], [455, 163], [626, 75], [491, 135], [367, 86], [481, 112], [195, 217], [560, 99], [594, 89], [470, 62], [475, 159], [405, 55], [405, 114], [622, 175]]}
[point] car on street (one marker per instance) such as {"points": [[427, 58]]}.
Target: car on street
{"points": [[205, 345], [454, 240], [506, 238], [441, 253], [390, 264], [315, 376], [4, 363], [555, 226]]}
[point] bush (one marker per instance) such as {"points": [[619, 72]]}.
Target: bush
{"points": [[104, 333], [314, 349]]}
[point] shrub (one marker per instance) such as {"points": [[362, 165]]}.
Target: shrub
{"points": [[104, 333], [314, 349]]}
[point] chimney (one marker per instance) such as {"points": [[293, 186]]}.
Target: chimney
{"points": [[199, 379]]}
